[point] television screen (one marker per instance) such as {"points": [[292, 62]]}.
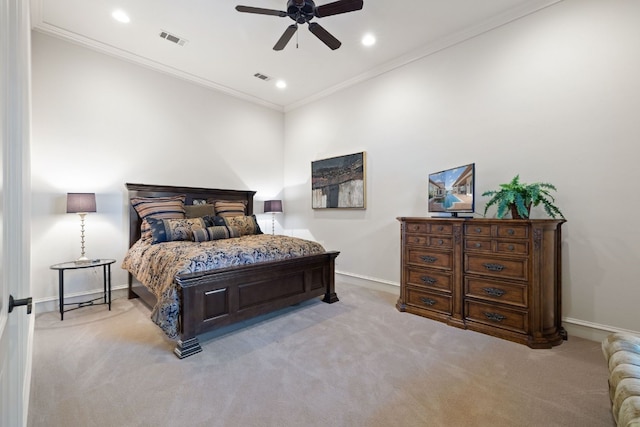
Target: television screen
{"points": [[451, 190]]}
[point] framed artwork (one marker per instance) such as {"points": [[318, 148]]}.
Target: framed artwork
{"points": [[339, 182]]}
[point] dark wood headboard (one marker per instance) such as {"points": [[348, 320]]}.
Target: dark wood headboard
{"points": [[191, 193]]}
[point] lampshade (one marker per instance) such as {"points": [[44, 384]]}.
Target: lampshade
{"points": [[81, 202], [272, 206]]}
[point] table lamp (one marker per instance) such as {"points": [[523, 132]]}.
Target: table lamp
{"points": [[81, 203], [273, 206]]}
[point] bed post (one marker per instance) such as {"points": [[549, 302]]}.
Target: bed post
{"points": [[330, 295], [187, 348]]}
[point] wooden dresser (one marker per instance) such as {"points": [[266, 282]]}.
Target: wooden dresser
{"points": [[495, 276]]}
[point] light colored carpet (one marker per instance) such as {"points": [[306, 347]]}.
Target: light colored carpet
{"points": [[358, 362]]}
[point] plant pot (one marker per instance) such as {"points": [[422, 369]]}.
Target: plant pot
{"points": [[516, 215]]}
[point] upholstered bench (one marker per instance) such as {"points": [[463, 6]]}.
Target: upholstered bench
{"points": [[622, 352]]}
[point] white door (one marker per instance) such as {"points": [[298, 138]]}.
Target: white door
{"points": [[15, 124]]}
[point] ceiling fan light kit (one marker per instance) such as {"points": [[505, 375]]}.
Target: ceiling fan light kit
{"points": [[303, 11]]}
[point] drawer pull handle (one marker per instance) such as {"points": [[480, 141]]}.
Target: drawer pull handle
{"points": [[478, 229], [478, 245], [494, 292], [510, 232], [440, 228], [495, 317], [493, 267], [511, 247], [416, 240], [428, 280], [427, 258], [440, 242], [428, 301]]}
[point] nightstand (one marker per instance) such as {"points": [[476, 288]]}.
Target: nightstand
{"points": [[73, 265]]}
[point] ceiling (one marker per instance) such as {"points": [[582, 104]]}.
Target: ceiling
{"points": [[225, 48]]}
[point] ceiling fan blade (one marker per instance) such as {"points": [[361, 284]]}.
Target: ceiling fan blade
{"points": [[261, 11], [324, 35], [337, 7], [286, 36]]}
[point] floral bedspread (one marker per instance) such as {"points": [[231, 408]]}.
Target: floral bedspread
{"points": [[157, 265]]}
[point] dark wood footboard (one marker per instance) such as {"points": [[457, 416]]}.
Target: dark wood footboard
{"points": [[212, 300]]}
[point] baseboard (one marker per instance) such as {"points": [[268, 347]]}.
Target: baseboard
{"points": [[369, 282], [44, 305], [591, 331], [574, 327]]}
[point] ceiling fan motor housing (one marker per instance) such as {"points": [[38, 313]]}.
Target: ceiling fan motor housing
{"points": [[301, 11]]}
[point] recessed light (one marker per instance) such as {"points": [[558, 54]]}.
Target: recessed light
{"points": [[120, 16], [281, 84], [368, 40]]}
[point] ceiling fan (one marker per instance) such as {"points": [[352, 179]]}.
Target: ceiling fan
{"points": [[303, 11]]}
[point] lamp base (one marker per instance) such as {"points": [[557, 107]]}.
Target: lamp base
{"points": [[82, 260]]}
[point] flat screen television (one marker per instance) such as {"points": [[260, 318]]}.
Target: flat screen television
{"points": [[452, 190]]}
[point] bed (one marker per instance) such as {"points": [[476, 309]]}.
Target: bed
{"points": [[228, 293]]}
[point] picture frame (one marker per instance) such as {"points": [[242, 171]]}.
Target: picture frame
{"points": [[339, 182]]}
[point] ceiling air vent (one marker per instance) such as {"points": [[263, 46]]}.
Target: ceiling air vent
{"points": [[262, 77], [173, 38]]}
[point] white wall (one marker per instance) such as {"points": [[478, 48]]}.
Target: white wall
{"points": [[554, 97], [99, 122]]}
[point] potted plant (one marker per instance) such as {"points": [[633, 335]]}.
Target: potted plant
{"points": [[518, 198]]}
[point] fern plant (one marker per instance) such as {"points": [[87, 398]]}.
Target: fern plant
{"points": [[518, 198]]}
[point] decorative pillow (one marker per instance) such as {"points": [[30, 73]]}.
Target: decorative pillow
{"points": [[171, 230], [212, 220], [229, 208], [215, 233], [246, 224], [199, 211], [157, 207]]}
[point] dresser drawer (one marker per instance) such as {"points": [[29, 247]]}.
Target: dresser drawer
{"points": [[416, 239], [429, 300], [417, 227], [433, 259], [477, 230], [429, 279], [512, 231], [441, 228], [489, 290], [440, 242], [517, 247], [429, 228], [512, 247], [429, 241], [482, 245], [514, 320], [496, 267]]}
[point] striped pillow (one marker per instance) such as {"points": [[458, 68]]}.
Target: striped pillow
{"points": [[215, 233], [157, 207], [230, 208]]}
